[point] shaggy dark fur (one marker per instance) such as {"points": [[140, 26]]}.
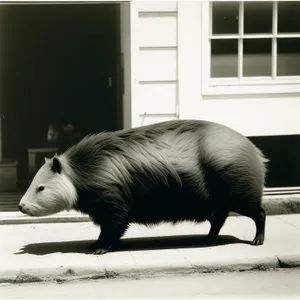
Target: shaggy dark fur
{"points": [[171, 171]]}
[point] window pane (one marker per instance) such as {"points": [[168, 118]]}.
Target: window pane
{"points": [[224, 58], [225, 17], [288, 16], [258, 17], [257, 59], [288, 57]]}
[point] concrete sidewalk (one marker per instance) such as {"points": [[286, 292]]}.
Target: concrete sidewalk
{"points": [[58, 251]]}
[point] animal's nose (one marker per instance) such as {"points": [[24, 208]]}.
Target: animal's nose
{"points": [[20, 207]]}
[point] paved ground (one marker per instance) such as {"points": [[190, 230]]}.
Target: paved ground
{"points": [[58, 251], [280, 284]]}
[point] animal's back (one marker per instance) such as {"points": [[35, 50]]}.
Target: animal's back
{"points": [[179, 154], [181, 170]]}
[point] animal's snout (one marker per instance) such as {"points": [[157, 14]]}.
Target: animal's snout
{"points": [[21, 207]]}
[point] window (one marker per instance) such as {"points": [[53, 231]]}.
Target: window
{"points": [[251, 43]]}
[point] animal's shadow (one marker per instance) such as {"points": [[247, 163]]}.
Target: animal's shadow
{"points": [[132, 244]]}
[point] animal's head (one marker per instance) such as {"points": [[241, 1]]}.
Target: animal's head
{"points": [[50, 191]]}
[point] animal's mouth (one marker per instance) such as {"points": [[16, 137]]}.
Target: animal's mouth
{"points": [[30, 214], [26, 211]]}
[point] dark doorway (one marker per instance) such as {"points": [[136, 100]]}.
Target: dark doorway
{"points": [[283, 153], [58, 62]]}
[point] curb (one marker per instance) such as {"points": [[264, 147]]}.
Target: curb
{"points": [[273, 205], [66, 274]]}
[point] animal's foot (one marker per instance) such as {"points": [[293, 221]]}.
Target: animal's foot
{"points": [[258, 240], [100, 251]]}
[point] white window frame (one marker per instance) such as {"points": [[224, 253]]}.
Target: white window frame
{"points": [[250, 85]]}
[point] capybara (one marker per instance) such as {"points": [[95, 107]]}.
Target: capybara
{"points": [[171, 171]]}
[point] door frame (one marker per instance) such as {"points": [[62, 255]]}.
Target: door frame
{"points": [[129, 57]]}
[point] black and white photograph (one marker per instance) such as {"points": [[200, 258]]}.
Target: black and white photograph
{"points": [[150, 149]]}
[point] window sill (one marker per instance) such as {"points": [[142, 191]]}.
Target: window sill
{"points": [[259, 88]]}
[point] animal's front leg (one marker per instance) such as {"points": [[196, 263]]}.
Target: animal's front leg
{"points": [[109, 236]]}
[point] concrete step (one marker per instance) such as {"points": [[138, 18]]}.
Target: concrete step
{"points": [[280, 199], [273, 205], [10, 201]]}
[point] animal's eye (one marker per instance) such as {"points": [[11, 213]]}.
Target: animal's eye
{"points": [[40, 188]]}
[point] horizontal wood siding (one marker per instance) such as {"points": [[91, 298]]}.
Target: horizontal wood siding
{"points": [[157, 64], [151, 119], [157, 6], [164, 36], [158, 97], [157, 67]]}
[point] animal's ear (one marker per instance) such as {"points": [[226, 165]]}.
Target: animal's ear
{"points": [[46, 159], [56, 165]]}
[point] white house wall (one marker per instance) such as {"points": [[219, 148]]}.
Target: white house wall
{"points": [[259, 114], [157, 88], [168, 77]]}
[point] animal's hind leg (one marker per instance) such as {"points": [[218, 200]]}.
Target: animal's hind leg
{"points": [[258, 215], [217, 221], [260, 221]]}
